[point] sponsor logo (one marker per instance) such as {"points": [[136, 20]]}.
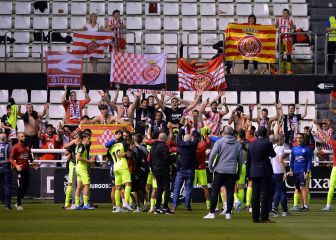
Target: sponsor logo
{"points": [[249, 46]]}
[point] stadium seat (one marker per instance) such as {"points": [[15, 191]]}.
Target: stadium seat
{"points": [[56, 96], [208, 52], [45, 12], [97, 7], [277, 8], [3, 96], [302, 23], [20, 96], [20, 125], [36, 50], [153, 38], [189, 95], [304, 123], [302, 52], [3, 110], [158, 10], [189, 9], [248, 97], [243, 1], [119, 99], [231, 97], [133, 8], [6, 7], [152, 49], [171, 23], [130, 37], [111, 6], [38, 107], [226, 9], [59, 23], [208, 9], [208, 24], [2, 50], [77, 22], [299, 10], [279, 1], [60, 8], [80, 94], [225, 1], [193, 52], [264, 21], [134, 23], [244, 10], [78, 8], [193, 38], [209, 94], [171, 9], [55, 122], [40, 22], [22, 37], [93, 111], [171, 51], [22, 7], [189, 24], [311, 112], [261, 10], [223, 23], [22, 22], [153, 23], [38, 96], [298, 1], [304, 95], [56, 111], [271, 110], [59, 47], [227, 116], [241, 20], [247, 111], [21, 51], [261, 1], [209, 39], [287, 97], [5, 22], [267, 97]]}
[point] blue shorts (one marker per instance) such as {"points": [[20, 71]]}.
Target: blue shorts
{"points": [[299, 180], [112, 175]]}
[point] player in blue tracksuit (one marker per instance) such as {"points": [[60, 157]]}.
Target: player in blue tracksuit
{"points": [[5, 169], [300, 167]]}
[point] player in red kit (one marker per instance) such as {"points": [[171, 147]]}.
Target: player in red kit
{"points": [[19, 157]]}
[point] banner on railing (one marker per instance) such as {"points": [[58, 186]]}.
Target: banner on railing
{"points": [[208, 76], [250, 42], [64, 68], [138, 69], [91, 44], [101, 134], [151, 91]]}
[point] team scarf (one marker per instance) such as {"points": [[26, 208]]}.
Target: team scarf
{"points": [[75, 112], [264, 123], [295, 123]]}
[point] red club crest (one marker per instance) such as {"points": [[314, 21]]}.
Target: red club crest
{"points": [[249, 46], [201, 81], [151, 73]]}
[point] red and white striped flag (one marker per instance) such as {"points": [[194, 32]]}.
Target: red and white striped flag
{"points": [[209, 76], [91, 44]]}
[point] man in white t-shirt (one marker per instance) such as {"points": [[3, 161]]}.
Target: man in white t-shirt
{"points": [[279, 176]]}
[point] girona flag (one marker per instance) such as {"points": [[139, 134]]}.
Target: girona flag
{"points": [[64, 68], [208, 76], [101, 134], [138, 69], [91, 44], [250, 42]]}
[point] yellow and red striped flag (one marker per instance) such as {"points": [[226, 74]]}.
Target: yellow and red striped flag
{"points": [[250, 42], [101, 134]]}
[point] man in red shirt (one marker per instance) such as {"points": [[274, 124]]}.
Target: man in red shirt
{"points": [[200, 172], [74, 108], [19, 157], [50, 140]]}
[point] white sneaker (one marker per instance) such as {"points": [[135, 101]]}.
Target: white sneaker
{"points": [[228, 216], [237, 206], [284, 214], [152, 209], [223, 213], [19, 208], [210, 216], [137, 210], [295, 208], [250, 209], [326, 209], [255, 72], [127, 206], [246, 71], [118, 210]]}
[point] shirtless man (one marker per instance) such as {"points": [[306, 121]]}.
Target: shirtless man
{"points": [[262, 119], [105, 117], [238, 118], [126, 111], [32, 120]]}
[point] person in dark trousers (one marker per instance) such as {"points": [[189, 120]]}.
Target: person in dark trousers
{"points": [[185, 165], [160, 164], [331, 29], [227, 169], [219, 46], [5, 170], [19, 157], [259, 170]]}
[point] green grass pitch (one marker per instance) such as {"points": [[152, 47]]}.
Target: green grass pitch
{"points": [[47, 221]]}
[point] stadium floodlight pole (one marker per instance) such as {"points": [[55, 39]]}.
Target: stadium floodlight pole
{"points": [[325, 52]]}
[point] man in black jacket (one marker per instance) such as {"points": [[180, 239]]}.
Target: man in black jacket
{"points": [[185, 165], [160, 164], [259, 170]]}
